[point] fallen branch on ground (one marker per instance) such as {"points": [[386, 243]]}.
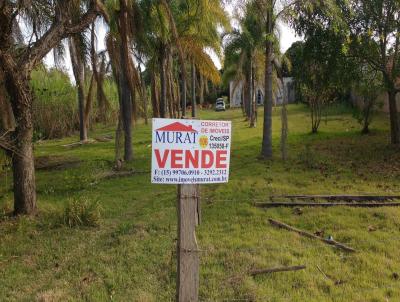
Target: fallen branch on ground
{"points": [[77, 144], [103, 139], [336, 282], [326, 204], [340, 197], [310, 235], [276, 269], [56, 162]]}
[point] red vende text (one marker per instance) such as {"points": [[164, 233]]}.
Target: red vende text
{"points": [[204, 159]]}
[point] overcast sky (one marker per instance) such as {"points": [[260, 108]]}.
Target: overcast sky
{"points": [[287, 37]]}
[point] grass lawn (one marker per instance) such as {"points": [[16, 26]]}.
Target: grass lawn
{"points": [[131, 255]]}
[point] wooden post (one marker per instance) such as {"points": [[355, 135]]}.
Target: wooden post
{"points": [[188, 259]]}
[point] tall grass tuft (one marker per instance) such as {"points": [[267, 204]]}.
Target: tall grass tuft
{"points": [[55, 110], [82, 212]]}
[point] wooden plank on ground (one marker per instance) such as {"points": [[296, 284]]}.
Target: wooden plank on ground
{"points": [[326, 204], [339, 197]]}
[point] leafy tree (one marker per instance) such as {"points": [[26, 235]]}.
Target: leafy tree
{"points": [[295, 57], [50, 22], [324, 71], [369, 86], [375, 37], [372, 29], [243, 57]]}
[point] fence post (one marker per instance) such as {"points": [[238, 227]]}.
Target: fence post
{"points": [[188, 259]]}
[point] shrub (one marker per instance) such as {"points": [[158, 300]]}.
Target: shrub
{"points": [[308, 158], [82, 212]]}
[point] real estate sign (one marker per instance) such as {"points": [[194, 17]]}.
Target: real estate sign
{"points": [[190, 151]]}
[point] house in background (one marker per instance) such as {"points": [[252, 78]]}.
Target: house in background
{"points": [[284, 89]]}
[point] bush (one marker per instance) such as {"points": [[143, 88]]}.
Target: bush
{"points": [[82, 212], [308, 158]]}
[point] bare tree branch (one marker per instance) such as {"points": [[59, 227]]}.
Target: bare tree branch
{"points": [[60, 29]]}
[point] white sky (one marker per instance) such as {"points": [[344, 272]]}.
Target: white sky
{"points": [[287, 37]]}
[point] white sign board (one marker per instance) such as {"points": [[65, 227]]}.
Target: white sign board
{"points": [[190, 151]]}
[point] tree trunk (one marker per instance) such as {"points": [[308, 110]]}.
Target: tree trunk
{"points": [[253, 107], [78, 70], [243, 97], [127, 88], [119, 143], [98, 75], [89, 100], [193, 90], [284, 125], [24, 173], [154, 96], [266, 150], [368, 104], [144, 95], [126, 114], [183, 93], [247, 93], [201, 92], [23, 159], [394, 121], [170, 88], [163, 83]]}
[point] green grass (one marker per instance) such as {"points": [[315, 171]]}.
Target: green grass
{"points": [[130, 256]]}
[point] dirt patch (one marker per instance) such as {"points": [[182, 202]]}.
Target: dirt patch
{"points": [[56, 162]]}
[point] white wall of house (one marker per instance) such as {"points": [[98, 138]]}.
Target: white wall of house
{"points": [[236, 92]]}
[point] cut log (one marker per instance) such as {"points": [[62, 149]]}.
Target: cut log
{"points": [[276, 269], [339, 197], [325, 204], [310, 235]]}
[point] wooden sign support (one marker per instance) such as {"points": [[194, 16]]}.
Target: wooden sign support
{"points": [[188, 257]]}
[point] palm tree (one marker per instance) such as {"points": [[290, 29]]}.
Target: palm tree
{"points": [[182, 30], [121, 18], [242, 57], [271, 11]]}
